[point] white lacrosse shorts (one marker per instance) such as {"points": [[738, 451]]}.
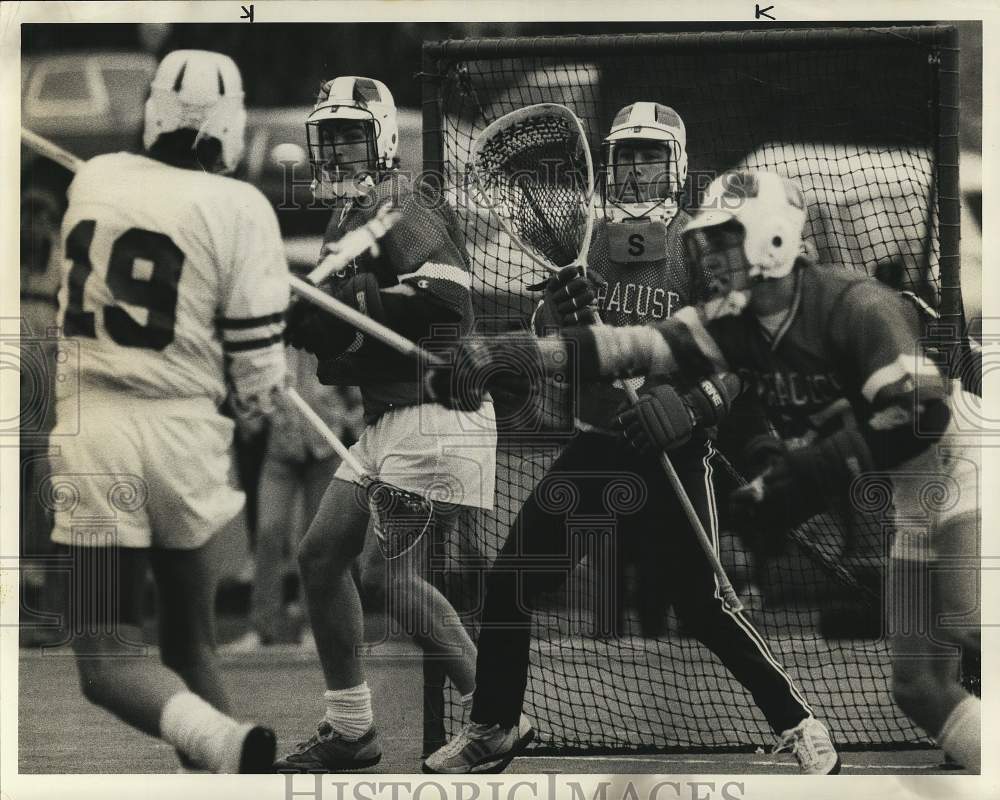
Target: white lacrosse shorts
{"points": [[142, 472], [444, 455]]}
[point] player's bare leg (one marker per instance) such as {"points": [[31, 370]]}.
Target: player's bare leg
{"points": [[115, 674], [926, 663], [334, 540], [346, 738], [424, 612], [186, 581]]}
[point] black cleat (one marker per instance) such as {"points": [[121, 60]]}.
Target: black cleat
{"points": [[259, 749], [328, 751]]}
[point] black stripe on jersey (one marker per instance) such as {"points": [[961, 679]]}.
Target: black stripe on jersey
{"points": [[222, 86], [179, 80], [242, 323], [251, 344], [38, 297]]}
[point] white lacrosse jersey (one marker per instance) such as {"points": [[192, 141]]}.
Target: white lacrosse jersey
{"points": [[174, 280]]}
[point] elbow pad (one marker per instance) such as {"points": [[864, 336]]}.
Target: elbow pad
{"points": [[904, 428]]}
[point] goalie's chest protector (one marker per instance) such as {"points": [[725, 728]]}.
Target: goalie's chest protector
{"points": [[645, 269], [647, 279]]}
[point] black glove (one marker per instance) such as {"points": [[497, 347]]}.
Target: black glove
{"points": [[316, 331], [782, 496], [662, 419], [509, 364], [659, 421], [571, 294], [324, 334]]}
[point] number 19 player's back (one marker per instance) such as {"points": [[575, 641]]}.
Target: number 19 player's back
{"points": [[163, 260], [173, 295]]}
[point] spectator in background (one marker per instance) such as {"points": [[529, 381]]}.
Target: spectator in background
{"points": [[298, 463], [42, 208]]}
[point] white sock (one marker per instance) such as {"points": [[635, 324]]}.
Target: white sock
{"points": [[960, 735], [202, 732], [349, 711]]}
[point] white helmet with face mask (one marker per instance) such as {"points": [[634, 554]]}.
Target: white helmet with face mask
{"points": [[368, 104], [747, 229], [649, 190]]}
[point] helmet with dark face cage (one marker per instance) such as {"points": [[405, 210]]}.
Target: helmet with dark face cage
{"points": [[353, 136], [645, 163]]}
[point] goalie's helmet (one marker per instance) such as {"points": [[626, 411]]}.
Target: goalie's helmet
{"points": [[202, 91], [750, 223], [339, 170], [651, 189]]}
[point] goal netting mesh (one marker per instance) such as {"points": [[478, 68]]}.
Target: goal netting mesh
{"points": [[863, 119]]}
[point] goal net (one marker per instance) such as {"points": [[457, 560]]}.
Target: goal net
{"points": [[866, 121]]}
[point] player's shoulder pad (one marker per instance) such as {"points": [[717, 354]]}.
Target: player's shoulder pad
{"points": [[395, 188]]}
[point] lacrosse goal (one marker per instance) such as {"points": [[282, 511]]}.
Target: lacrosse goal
{"points": [[866, 120]]}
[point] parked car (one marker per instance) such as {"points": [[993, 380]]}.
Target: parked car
{"points": [[88, 102]]}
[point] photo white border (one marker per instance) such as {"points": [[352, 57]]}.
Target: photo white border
{"points": [[149, 787]]}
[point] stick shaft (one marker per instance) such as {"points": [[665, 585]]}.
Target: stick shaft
{"points": [[49, 149], [354, 243], [726, 589], [324, 430]]}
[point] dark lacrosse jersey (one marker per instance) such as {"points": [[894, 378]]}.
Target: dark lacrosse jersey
{"points": [[846, 338], [425, 250], [647, 278]]}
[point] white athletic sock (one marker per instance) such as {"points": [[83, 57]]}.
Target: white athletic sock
{"points": [[202, 732], [961, 733], [467, 700], [349, 711]]}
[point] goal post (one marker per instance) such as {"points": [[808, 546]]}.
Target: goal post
{"points": [[866, 119]]}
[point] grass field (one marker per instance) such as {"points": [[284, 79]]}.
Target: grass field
{"points": [[283, 687]]}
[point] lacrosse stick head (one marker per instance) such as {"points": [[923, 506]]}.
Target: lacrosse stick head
{"points": [[533, 168], [401, 517]]}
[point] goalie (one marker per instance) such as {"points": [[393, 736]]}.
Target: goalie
{"points": [[420, 279], [819, 334], [639, 274]]}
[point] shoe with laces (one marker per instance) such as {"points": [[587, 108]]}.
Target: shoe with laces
{"points": [[810, 743], [328, 751], [480, 749]]}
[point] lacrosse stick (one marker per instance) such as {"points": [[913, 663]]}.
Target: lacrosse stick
{"points": [[534, 170], [355, 243], [401, 517]]}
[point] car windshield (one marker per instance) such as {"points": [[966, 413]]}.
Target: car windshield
{"points": [[64, 85]]}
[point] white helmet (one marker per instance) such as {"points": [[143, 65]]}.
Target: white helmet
{"points": [[363, 100], [770, 210], [200, 90], [645, 122]]}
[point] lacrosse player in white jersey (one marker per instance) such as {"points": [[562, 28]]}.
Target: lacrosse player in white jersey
{"points": [[418, 285], [174, 290]]}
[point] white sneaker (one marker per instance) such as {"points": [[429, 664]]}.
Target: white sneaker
{"points": [[481, 749], [810, 743]]}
